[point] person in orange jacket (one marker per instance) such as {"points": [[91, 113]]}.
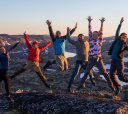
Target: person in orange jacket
{"points": [[33, 60]]}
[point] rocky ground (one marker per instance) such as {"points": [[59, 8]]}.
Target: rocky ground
{"points": [[31, 96]]}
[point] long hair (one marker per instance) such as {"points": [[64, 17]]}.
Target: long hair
{"points": [[122, 34]]}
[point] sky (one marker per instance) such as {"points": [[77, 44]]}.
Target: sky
{"points": [[17, 16]]}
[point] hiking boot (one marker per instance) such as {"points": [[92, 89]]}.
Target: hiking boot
{"points": [[10, 98], [47, 65], [81, 87], [69, 89], [48, 86], [117, 91], [93, 82]]}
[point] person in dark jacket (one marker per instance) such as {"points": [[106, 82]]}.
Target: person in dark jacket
{"points": [[33, 60], [82, 50], [116, 51], [59, 46], [4, 63]]}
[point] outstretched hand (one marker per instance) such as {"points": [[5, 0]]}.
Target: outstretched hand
{"points": [[122, 19], [102, 19], [76, 25], [48, 23], [89, 18]]}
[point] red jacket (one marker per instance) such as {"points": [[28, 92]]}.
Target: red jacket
{"points": [[34, 53]]}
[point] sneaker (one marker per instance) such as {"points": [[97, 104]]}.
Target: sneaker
{"points": [[10, 98], [69, 89], [117, 91], [48, 86]]}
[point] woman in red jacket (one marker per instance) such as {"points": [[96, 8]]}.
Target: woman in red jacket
{"points": [[33, 60]]}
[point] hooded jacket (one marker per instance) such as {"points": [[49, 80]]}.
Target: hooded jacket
{"points": [[34, 53]]}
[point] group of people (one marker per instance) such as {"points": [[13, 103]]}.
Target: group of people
{"points": [[88, 56]]}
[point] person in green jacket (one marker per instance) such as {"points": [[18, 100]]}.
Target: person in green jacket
{"points": [[116, 51]]}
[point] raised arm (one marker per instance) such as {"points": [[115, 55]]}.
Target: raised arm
{"points": [[118, 29], [101, 29], [45, 46], [71, 31], [53, 37], [68, 37], [89, 28], [13, 47], [27, 41]]}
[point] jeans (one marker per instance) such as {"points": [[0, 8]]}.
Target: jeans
{"points": [[100, 65], [117, 66], [78, 66]]}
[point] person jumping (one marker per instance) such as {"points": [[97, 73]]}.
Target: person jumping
{"points": [[59, 46], [117, 49], [33, 60], [95, 42], [82, 50], [4, 63]]}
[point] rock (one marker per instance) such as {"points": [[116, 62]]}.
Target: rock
{"points": [[48, 91], [99, 94], [19, 91], [58, 91]]}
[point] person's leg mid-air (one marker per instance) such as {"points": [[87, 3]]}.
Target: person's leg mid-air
{"points": [[100, 66], [91, 63], [38, 71], [113, 71], [75, 73], [4, 77], [60, 62], [84, 65]]}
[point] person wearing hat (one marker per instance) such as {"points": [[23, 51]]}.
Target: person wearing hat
{"points": [[33, 60], [82, 50], [59, 46]]}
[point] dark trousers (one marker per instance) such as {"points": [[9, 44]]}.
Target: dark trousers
{"points": [[78, 66], [4, 77], [100, 65], [117, 66]]}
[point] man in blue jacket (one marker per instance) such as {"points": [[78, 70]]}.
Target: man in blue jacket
{"points": [[59, 46]]}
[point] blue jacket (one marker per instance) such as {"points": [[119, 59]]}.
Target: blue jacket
{"points": [[4, 57], [59, 43]]}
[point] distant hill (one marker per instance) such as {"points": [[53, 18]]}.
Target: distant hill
{"points": [[21, 51]]}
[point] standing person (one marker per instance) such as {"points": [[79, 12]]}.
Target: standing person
{"points": [[82, 50], [59, 46], [95, 42], [116, 51], [4, 63], [33, 60]]}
